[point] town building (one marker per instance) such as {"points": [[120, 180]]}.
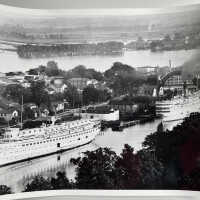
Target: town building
{"points": [[146, 90], [56, 85], [125, 107], [113, 115], [56, 88], [103, 113], [29, 77], [59, 106], [33, 107], [26, 84], [9, 114], [4, 81], [147, 70], [176, 82], [79, 83], [16, 78], [141, 44], [93, 82]]}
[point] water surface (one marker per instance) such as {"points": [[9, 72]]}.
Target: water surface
{"points": [[11, 62]]}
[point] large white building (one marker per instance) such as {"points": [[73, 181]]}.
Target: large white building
{"points": [[113, 115]]}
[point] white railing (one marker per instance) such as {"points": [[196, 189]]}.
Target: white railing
{"points": [[105, 195]]}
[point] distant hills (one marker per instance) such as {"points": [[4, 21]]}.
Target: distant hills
{"points": [[86, 28]]}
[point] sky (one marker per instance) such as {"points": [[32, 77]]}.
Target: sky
{"points": [[74, 4], [48, 12]]}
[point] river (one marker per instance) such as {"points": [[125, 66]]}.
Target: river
{"points": [[9, 60], [18, 175]]}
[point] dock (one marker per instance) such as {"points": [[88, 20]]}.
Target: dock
{"points": [[123, 125], [144, 119], [129, 123]]}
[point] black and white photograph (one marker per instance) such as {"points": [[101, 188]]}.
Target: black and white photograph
{"points": [[99, 99]]}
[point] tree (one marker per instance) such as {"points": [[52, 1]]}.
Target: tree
{"points": [[123, 79], [152, 80], [52, 69], [178, 36], [96, 170], [129, 169], [155, 45], [10, 73], [72, 96], [57, 97], [42, 69], [61, 181], [33, 71], [5, 190], [191, 181], [167, 38], [90, 95], [39, 183], [79, 71], [28, 113], [178, 150], [92, 74], [3, 121], [39, 94], [82, 72], [14, 92], [119, 69], [93, 95], [152, 171]]}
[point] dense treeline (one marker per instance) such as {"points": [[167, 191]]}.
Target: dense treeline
{"points": [[124, 79], [37, 94], [106, 48], [80, 71], [180, 41], [179, 152], [120, 79], [177, 41]]}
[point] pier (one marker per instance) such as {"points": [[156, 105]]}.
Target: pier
{"points": [[122, 125]]}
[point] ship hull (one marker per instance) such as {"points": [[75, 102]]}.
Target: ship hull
{"points": [[44, 155], [42, 146]]}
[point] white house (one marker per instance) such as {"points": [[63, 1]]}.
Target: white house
{"points": [[8, 114], [113, 115]]}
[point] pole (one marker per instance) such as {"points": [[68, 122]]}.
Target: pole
{"points": [[170, 65], [22, 112], [8, 123]]}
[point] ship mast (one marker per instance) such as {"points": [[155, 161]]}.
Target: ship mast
{"points": [[22, 112], [170, 65]]}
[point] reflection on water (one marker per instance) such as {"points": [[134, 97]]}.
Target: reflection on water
{"points": [[18, 175], [133, 136]]}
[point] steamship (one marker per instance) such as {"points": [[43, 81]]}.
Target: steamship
{"points": [[178, 109], [18, 145]]}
